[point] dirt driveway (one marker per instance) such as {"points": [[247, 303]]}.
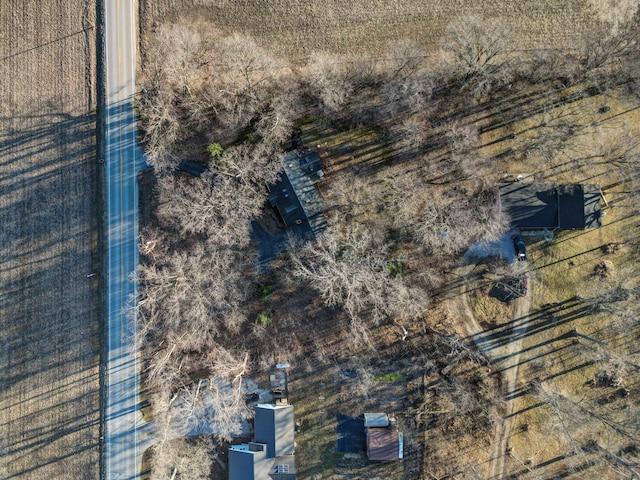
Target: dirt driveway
{"points": [[502, 344]]}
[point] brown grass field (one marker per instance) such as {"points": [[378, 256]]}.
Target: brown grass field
{"points": [[552, 365], [49, 346], [296, 28]]}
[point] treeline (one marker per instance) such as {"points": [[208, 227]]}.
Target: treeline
{"points": [[225, 102]]}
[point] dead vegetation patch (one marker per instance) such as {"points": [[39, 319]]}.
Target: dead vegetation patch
{"points": [[604, 270]]}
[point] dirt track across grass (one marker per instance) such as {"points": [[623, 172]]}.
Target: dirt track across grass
{"points": [[49, 343], [503, 348]]}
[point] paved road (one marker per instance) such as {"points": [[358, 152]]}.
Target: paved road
{"points": [[123, 446]]}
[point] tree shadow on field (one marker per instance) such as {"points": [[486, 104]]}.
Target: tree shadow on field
{"points": [[505, 108], [49, 380], [548, 316], [350, 432]]}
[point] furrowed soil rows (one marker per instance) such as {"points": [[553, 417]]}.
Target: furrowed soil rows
{"points": [[296, 28], [49, 345]]}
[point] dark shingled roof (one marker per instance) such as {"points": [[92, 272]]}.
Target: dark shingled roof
{"points": [[296, 197], [534, 206]]}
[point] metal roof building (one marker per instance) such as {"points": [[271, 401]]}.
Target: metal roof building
{"points": [[376, 420], [383, 444], [533, 206], [296, 197], [271, 455], [275, 428]]}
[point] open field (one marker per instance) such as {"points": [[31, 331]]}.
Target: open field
{"points": [[49, 336], [296, 28], [567, 415]]}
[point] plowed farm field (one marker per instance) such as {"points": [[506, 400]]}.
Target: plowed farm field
{"points": [[49, 343], [297, 28]]}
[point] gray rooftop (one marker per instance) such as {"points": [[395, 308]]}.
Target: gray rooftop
{"points": [[271, 455], [283, 468], [534, 206], [295, 196], [376, 420], [248, 462], [275, 427]]}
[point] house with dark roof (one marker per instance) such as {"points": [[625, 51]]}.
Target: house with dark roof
{"points": [[296, 197], [533, 206], [271, 456]]}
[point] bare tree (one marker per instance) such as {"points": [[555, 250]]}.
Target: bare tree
{"points": [[452, 223], [161, 129], [214, 86], [195, 295], [407, 103], [545, 65], [479, 51], [218, 403], [405, 58], [606, 43], [327, 77], [566, 417], [250, 165], [614, 295], [182, 459], [275, 123], [351, 269], [216, 206]]}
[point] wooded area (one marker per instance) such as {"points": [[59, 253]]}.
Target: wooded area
{"points": [[399, 217]]}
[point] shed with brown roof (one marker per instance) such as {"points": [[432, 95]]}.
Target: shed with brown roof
{"points": [[383, 444]]}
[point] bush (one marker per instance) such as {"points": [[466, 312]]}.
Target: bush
{"points": [[215, 150], [397, 268], [264, 319], [265, 291], [389, 377]]}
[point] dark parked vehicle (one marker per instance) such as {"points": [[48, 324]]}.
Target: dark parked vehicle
{"points": [[520, 248]]}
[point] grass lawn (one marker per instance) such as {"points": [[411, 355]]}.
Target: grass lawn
{"points": [[561, 406]]}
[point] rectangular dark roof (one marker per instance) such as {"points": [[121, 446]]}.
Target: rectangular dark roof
{"points": [[529, 206], [570, 206], [296, 197], [310, 163], [284, 198], [535, 206], [590, 200]]}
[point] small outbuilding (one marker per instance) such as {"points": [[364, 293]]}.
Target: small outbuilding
{"points": [[380, 420], [384, 442]]}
